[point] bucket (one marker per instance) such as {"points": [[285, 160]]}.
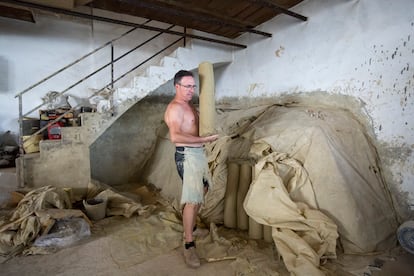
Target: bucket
{"points": [[95, 208]]}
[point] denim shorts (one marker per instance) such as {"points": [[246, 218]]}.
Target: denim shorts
{"points": [[179, 161]]}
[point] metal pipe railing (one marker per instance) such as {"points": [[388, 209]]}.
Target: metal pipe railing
{"points": [[74, 62], [110, 84], [98, 70], [103, 88]]}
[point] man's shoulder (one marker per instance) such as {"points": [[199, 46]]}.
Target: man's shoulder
{"points": [[173, 105], [176, 105], [174, 109]]}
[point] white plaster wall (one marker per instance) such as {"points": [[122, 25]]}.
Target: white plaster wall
{"points": [[31, 52], [359, 48]]}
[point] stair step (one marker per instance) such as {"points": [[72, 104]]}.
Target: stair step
{"points": [[163, 74], [71, 134], [47, 145], [124, 94], [180, 53], [171, 62]]}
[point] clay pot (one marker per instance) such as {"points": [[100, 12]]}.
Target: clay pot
{"points": [[95, 208]]}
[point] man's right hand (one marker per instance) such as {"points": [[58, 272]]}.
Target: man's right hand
{"points": [[211, 138]]}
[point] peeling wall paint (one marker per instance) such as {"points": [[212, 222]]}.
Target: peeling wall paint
{"points": [[363, 49]]}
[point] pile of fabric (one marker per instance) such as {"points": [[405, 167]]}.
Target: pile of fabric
{"points": [[45, 221], [316, 177]]}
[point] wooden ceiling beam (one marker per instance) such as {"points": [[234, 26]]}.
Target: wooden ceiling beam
{"points": [[16, 13], [177, 9], [115, 21], [270, 4], [217, 14]]}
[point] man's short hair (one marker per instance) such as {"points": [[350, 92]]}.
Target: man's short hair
{"points": [[180, 74]]}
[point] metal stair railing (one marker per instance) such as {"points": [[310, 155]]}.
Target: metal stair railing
{"points": [[110, 84]]}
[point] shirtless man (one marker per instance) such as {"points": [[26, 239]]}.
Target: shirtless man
{"points": [[182, 120]]}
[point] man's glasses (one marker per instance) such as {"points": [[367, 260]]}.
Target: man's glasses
{"points": [[188, 86]]}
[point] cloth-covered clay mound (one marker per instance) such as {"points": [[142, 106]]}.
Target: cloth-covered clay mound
{"points": [[316, 175]]}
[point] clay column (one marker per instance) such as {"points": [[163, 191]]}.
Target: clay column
{"points": [[207, 101]]}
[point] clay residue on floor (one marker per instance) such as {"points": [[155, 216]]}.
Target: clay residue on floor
{"points": [[151, 245]]}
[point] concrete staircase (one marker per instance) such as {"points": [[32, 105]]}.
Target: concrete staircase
{"points": [[66, 162], [156, 76]]}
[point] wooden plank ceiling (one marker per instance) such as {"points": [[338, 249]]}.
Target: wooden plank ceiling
{"points": [[226, 18]]}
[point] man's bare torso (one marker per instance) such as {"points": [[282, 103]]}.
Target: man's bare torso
{"points": [[190, 122], [184, 116]]}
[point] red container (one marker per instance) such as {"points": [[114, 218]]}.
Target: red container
{"points": [[53, 131]]}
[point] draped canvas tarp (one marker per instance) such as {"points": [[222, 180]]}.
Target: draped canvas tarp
{"points": [[317, 175], [303, 235], [343, 169]]}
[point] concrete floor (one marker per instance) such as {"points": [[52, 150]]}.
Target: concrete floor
{"points": [[85, 257]]}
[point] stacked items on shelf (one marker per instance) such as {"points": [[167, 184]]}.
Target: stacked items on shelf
{"points": [[52, 130]]}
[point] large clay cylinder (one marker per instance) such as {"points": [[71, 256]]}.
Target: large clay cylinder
{"points": [[207, 120], [267, 233], [230, 197], [245, 178], [255, 229]]}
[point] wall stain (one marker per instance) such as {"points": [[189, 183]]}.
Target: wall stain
{"points": [[279, 51], [396, 61]]}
